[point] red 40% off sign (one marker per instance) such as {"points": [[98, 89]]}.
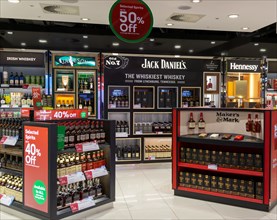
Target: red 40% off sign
{"points": [[131, 20]]}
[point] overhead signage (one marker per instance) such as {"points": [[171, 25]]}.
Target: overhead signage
{"points": [[212, 66], [131, 20], [36, 168], [243, 66], [153, 70], [22, 59], [74, 61]]}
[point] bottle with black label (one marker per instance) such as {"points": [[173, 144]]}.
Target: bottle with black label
{"points": [[168, 100], [144, 100], [11, 79], [162, 101], [21, 79], [16, 79]]}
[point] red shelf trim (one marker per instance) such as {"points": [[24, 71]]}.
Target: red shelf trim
{"points": [[221, 169], [220, 195]]}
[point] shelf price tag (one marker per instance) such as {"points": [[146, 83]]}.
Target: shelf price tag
{"points": [[88, 146], [121, 134], [73, 178], [9, 140], [102, 171], [212, 167], [6, 200], [83, 204]]}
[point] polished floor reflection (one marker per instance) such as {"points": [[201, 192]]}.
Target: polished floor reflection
{"points": [[143, 191]]}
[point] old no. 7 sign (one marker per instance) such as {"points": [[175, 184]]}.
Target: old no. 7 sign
{"points": [[131, 20]]}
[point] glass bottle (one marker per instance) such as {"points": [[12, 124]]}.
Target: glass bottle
{"points": [[191, 122], [249, 124], [201, 122]]}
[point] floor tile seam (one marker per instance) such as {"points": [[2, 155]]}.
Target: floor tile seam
{"points": [[125, 199], [215, 210]]}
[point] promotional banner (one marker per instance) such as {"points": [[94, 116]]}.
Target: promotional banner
{"points": [[131, 20], [44, 115], [36, 168], [36, 93], [121, 70], [248, 66], [22, 59], [74, 61]]}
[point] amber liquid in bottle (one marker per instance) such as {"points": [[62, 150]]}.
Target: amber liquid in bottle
{"points": [[249, 124], [191, 122]]}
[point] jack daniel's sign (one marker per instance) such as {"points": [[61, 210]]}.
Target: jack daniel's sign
{"points": [[244, 66]]}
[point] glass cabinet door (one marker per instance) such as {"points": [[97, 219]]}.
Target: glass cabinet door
{"points": [[64, 80]]}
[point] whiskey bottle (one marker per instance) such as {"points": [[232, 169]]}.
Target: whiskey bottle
{"points": [[249, 124], [191, 122], [256, 128], [162, 101], [137, 98], [168, 100], [144, 100], [89, 108], [80, 106], [201, 122], [58, 105]]}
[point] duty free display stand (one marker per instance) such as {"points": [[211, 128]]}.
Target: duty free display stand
{"points": [[40, 171]]}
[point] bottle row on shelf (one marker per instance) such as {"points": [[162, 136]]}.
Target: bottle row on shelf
{"points": [[83, 131], [86, 85], [71, 193], [127, 152], [86, 103], [153, 127], [71, 163], [11, 186], [226, 185], [248, 161], [163, 151], [11, 161], [122, 126], [11, 127], [17, 80], [119, 101]]}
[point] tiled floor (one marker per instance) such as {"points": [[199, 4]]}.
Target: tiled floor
{"points": [[143, 191]]}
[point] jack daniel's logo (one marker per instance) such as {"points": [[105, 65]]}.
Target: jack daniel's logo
{"points": [[164, 64], [227, 117]]}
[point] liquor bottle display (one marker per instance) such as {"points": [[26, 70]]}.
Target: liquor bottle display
{"points": [[143, 97], [67, 194], [157, 151], [190, 97], [11, 161], [82, 131], [153, 127], [16, 79], [11, 127], [127, 152], [122, 126], [201, 122], [191, 122], [119, 101], [167, 98], [11, 185], [16, 99], [225, 185]]}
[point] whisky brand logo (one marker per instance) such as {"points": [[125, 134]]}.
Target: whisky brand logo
{"points": [[164, 64], [116, 62], [234, 66], [227, 117]]}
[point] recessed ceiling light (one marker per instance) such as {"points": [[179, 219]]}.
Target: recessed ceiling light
{"points": [[115, 44], [256, 44], [177, 46], [9, 32], [245, 28], [212, 42], [85, 36], [115, 54], [195, 1], [262, 50], [152, 39], [141, 48], [84, 19], [191, 51], [177, 56], [233, 16], [85, 46], [169, 24], [14, 1], [23, 44], [42, 41]]}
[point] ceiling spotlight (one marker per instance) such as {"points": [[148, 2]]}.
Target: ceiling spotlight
{"points": [[42, 41], [245, 28], [169, 24], [14, 1], [85, 46], [177, 46], [152, 39], [84, 19], [115, 54], [23, 44], [177, 56], [262, 50], [115, 44], [85, 36], [195, 1], [141, 48], [233, 16], [212, 42], [9, 32], [191, 51], [256, 44]]}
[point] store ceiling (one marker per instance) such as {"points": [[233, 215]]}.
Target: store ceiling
{"points": [[65, 32]]}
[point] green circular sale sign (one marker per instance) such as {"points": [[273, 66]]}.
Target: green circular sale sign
{"points": [[39, 192], [131, 20]]}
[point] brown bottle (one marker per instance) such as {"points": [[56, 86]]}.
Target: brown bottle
{"points": [[72, 133], [191, 122], [256, 125], [249, 124], [83, 162], [89, 162]]}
